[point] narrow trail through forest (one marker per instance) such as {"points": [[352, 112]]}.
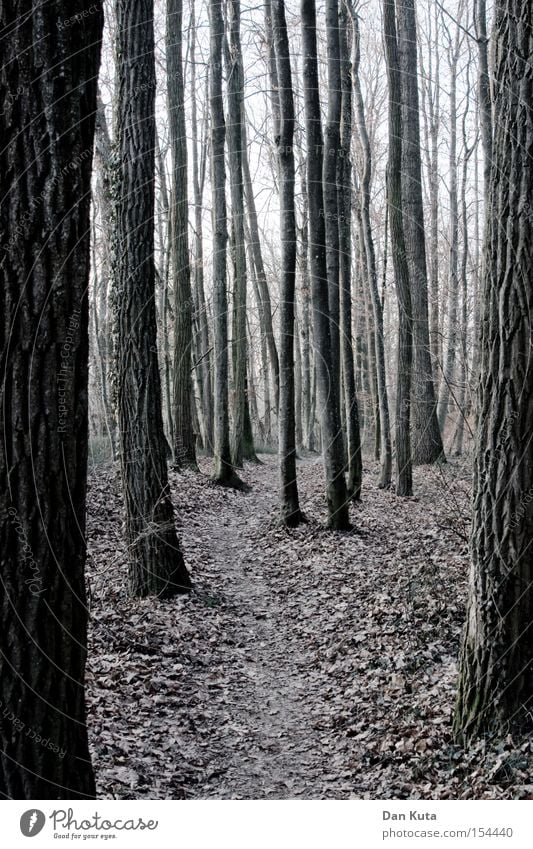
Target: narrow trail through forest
{"points": [[274, 705], [305, 663]]}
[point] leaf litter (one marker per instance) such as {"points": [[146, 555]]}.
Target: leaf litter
{"points": [[305, 663]]}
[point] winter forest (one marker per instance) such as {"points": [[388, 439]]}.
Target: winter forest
{"points": [[266, 466]]}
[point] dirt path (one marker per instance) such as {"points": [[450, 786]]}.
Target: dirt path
{"points": [[273, 755]]}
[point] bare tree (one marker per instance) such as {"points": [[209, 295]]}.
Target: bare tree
{"points": [[448, 373], [289, 504], [404, 482], [425, 438], [224, 473], [46, 159], [156, 565], [369, 253], [344, 204], [332, 446], [184, 449], [496, 681]]}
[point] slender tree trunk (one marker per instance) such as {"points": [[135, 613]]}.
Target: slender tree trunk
{"points": [[344, 188], [496, 670], [298, 395], [330, 163], [307, 423], [448, 375], [484, 93], [235, 85], [289, 506], [184, 448], [404, 481], [224, 472], [162, 284], [384, 420], [478, 272], [431, 113], [426, 438], [267, 423], [463, 393], [261, 278], [486, 126], [198, 179], [104, 336], [47, 128], [332, 446], [156, 564]]}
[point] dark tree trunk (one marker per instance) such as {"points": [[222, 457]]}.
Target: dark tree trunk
{"points": [[198, 179], [404, 482], [426, 438], [262, 283], [484, 93], [448, 375], [486, 125], [496, 671], [164, 311], [332, 443], [289, 506], [156, 564], [47, 128], [184, 447], [305, 322], [344, 189], [331, 209], [224, 472], [369, 250], [432, 118], [104, 335], [463, 389], [235, 86]]}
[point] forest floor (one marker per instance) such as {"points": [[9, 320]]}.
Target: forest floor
{"points": [[305, 663]]}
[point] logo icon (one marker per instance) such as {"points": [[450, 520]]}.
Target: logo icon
{"points": [[32, 822]]}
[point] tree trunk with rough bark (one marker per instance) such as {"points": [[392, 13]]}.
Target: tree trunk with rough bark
{"points": [[156, 565], [104, 336], [404, 479], [426, 440], [290, 514], [344, 198], [496, 670], [224, 473], [184, 447], [235, 87], [369, 249], [47, 128], [198, 181], [261, 278], [332, 443], [448, 373], [331, 208]]}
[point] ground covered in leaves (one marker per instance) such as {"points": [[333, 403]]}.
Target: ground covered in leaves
{"points": [[305, 663]]}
